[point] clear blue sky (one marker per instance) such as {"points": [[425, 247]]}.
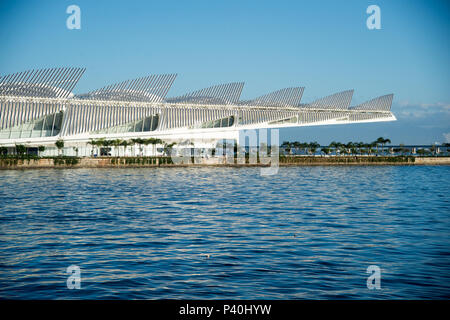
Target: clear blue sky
{"points": [[322, 45]]}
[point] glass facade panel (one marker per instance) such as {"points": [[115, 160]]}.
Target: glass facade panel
{"points": [[220, 123], [57, 123], [46, 126], [143, 125], [38, 125], [139, 127]]}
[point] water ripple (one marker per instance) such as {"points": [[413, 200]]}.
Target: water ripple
{"points": [[205, 233]]}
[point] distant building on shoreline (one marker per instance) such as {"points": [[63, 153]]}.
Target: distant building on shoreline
{"points": [[38, 107]]}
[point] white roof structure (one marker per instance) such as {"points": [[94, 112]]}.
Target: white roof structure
{"points": [[146, 89], [39, 106], [227, 93], [287, 97], [48, 83]]}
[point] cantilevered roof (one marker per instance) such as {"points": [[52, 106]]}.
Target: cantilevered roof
{"points": [[281, 98], [382, 103], [227, 93], [48, 83], [146, 89], [340, 101]]}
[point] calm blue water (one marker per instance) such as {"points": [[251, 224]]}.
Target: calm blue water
{"points": [[308, 232]]}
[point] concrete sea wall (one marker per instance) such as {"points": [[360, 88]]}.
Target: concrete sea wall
{"points": [[113, 162]]}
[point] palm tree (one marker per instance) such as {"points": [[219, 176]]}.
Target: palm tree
{"points": [[148, 141], [326, 150], [334, 145], [433, 149], [124, 144], [369, 147], [139, 142], [133, 145], [116, 143], [168, 148], [297, 145], [153, 142], [313, 146], [360, 146], [286, 146], [3, 151], [340, 147], [379, 141], [107, 143], [40, 150], [385, 141], [303, 145], [59, 144], [421, 152], [98, 143], [93, 143], [364, 148], [356, 147], [159, 141], [21, 149], [350, 147]]}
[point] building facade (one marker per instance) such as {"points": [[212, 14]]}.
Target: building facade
{"points": [[38, 107]]}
